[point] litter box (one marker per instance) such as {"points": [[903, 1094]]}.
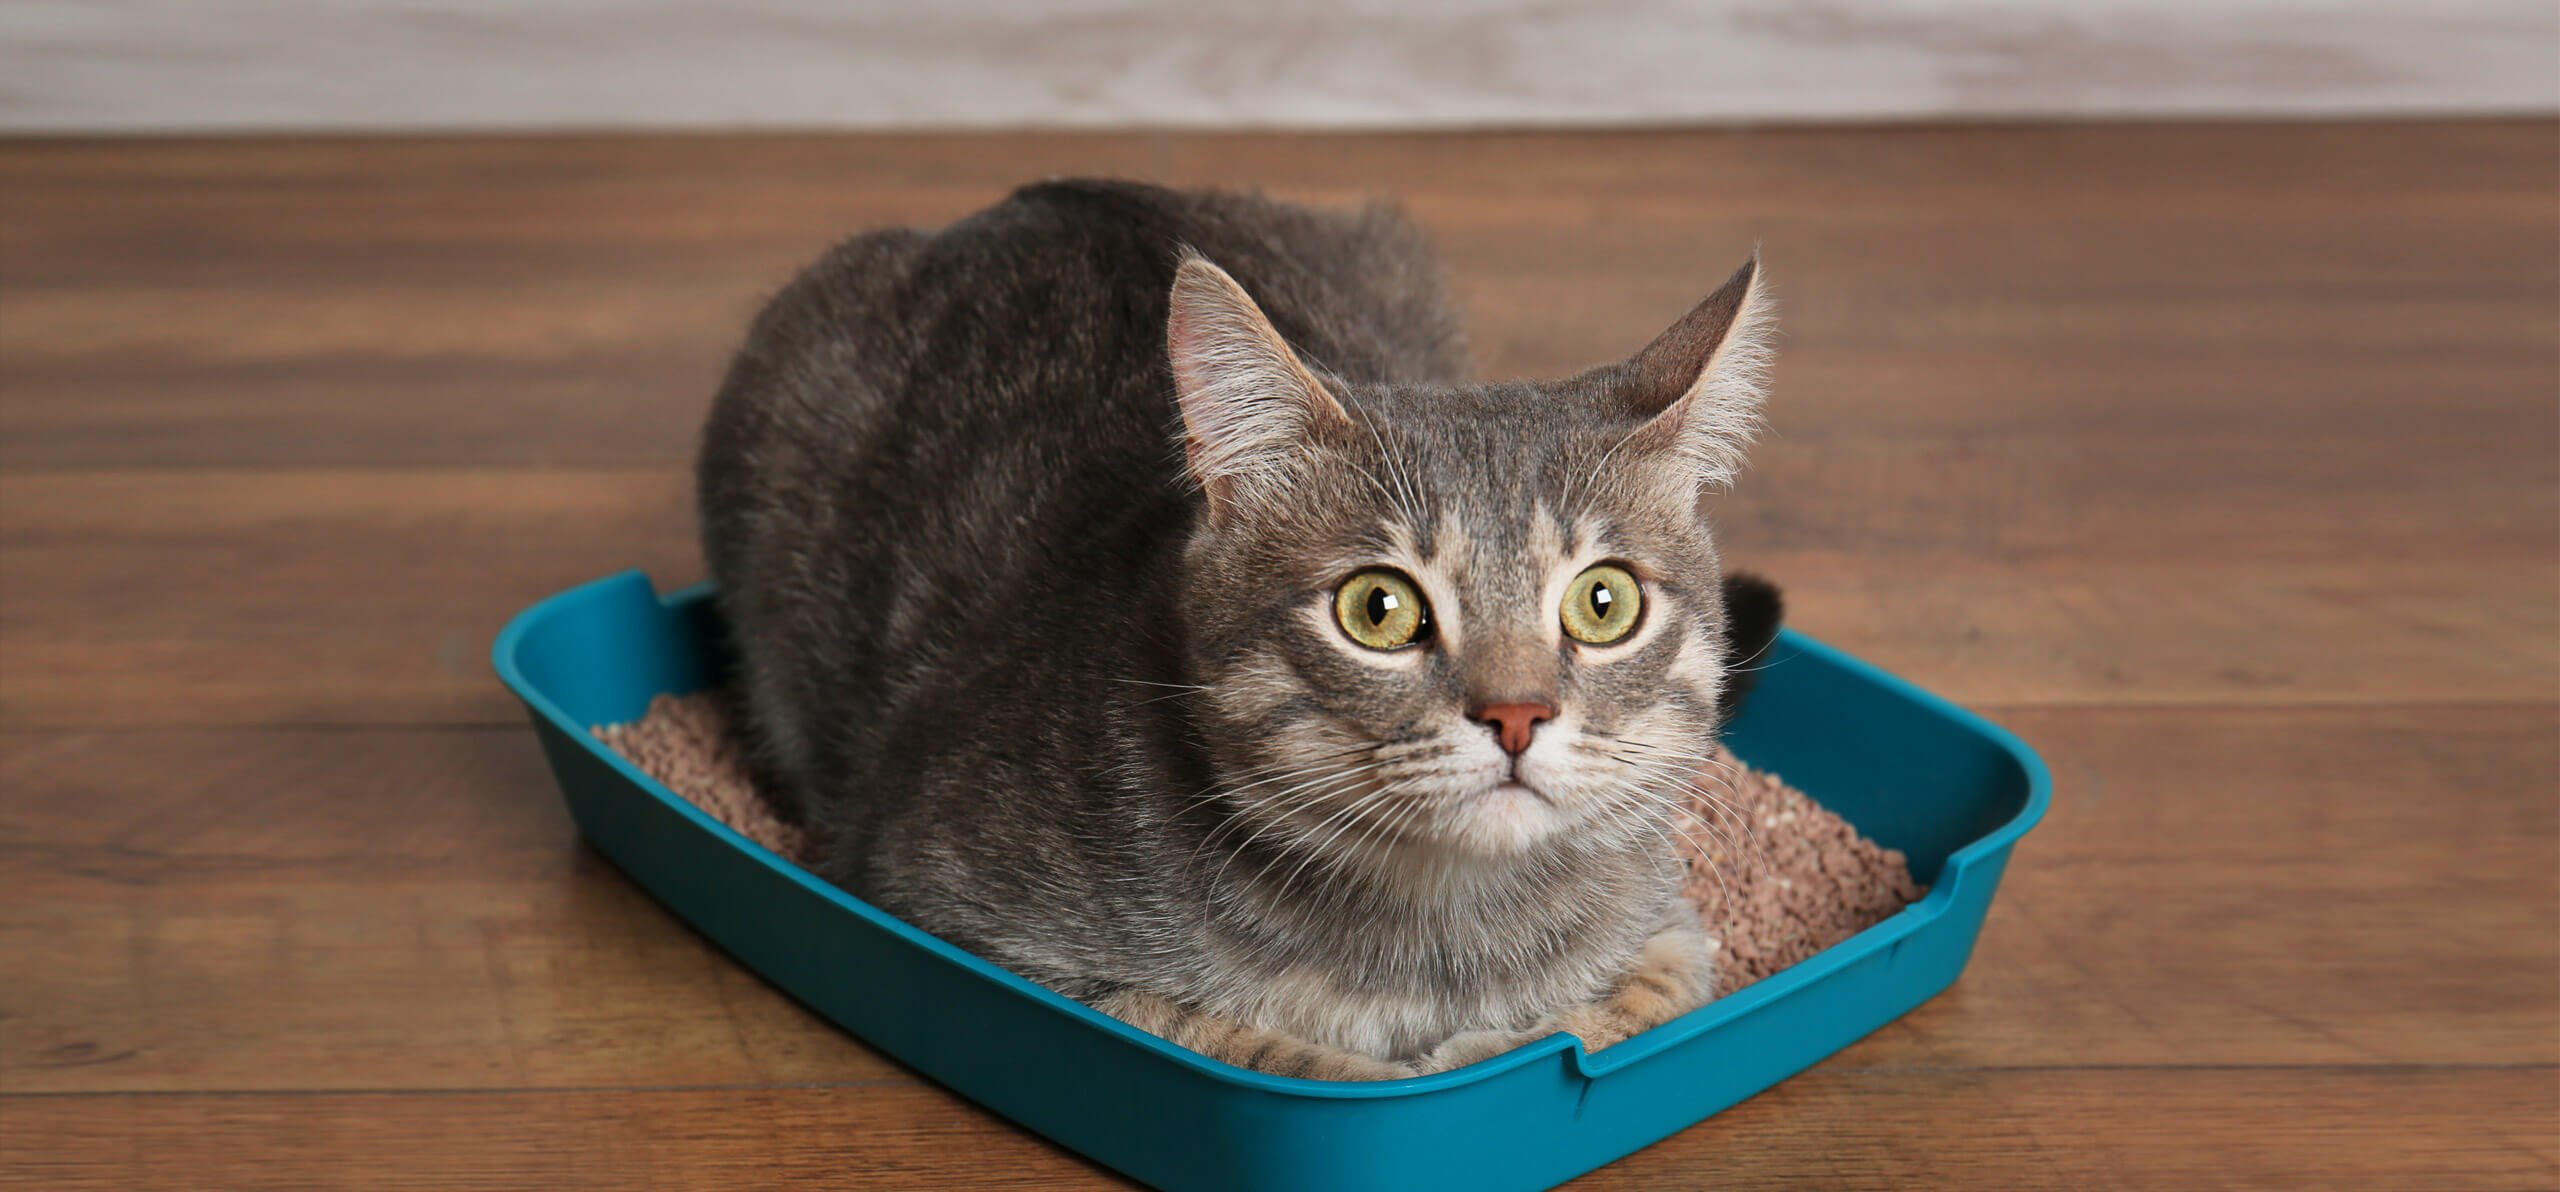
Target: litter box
{"points": [[1911, 771]]}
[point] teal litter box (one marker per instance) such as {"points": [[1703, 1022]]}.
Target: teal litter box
{"points": [[1949, 789]]}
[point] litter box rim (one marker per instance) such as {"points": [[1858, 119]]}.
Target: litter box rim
{"points": [[1962, 867]]}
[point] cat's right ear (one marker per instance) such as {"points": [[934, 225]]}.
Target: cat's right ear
{"points": [[1249, 406]]}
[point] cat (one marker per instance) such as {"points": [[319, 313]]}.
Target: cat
{"points": [[1129, 587]]}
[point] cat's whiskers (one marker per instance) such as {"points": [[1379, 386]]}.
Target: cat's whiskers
{"points": [[1743, 666], [1376, 797], [1179, 690], [1657, 805], [1725, 903], [1672, 829], [1385, 827], [1329, 790], [1715, 867], [1349, 814], [1314, 777], [1383, 492], [1583, 491], [1635, 808], [1649, 747], [1411, 506], [1386, 830], [1313, 788], [1675, 799], [1678, 766], [1695, 782], [1681, 780], [1264, 775], [1211, 901], [1666, 753], [1662, 766]]}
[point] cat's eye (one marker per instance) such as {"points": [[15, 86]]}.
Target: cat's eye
{"points": [[1381, 610], [1601, 604]]}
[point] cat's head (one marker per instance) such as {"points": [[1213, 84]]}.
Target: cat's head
{"points": [[1475, 620]]}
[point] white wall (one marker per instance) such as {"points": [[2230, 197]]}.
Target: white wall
{"points": [[240, 64]]}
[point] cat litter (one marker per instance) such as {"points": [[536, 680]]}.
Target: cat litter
{"points": [[1775, 877], [1876, 759]]}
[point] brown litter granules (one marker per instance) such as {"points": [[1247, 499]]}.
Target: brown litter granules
{"points": [[1787, 878], [684, 742]]}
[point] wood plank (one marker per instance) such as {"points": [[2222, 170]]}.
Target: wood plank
{"points": [[300, 597], [2157, 166], [833, 1136], [1990, 468], [503, 301], [2382, 1128], [401, 909], [635, 401], [2257, 885], [2078, 1128], [1996, 573], [355, 909], [2171, 168], [607, 371]]}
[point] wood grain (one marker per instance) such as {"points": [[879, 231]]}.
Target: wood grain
{"points": [[2062, 416], [552, 302], [835, 1136], [1994, 575], [1831, 1128], [2325, 1127], [2216, 886], [2221, 462]]}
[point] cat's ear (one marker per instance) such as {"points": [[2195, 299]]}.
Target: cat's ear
{"points": [[1701, 383], [1249, 406]]}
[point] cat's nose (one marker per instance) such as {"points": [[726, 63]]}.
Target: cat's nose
{"points": [[1512, 724]]}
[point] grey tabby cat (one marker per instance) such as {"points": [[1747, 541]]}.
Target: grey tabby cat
{"points": [[1194, 639]]}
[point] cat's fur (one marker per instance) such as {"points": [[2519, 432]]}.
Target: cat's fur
{"points": [[1027, 532]]}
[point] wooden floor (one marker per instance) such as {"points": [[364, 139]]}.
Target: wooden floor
{"points": [[2217, 461]]}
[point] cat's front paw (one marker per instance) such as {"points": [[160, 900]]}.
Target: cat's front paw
{"points": [[1468, 1047], [1600, 1025], [1353, 1065], [1674, 974], [1244, 1045]]}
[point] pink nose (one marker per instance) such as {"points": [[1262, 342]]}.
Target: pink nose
{"points": [[1513, 723]]}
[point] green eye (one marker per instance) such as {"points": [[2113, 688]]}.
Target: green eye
{"points": [[1601, 604], [1381, 610]]}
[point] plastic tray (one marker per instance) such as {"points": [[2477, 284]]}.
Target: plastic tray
{"points": [[1949, 789]]}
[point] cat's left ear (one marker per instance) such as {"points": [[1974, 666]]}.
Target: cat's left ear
{"points": [[1702, 382], [1249, 406]]}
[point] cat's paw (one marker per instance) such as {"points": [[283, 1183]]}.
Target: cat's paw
{"points": [[1467, 1047], [1334, 1064], [1674, 974], [1245, 1046], [1599, 1025]]}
